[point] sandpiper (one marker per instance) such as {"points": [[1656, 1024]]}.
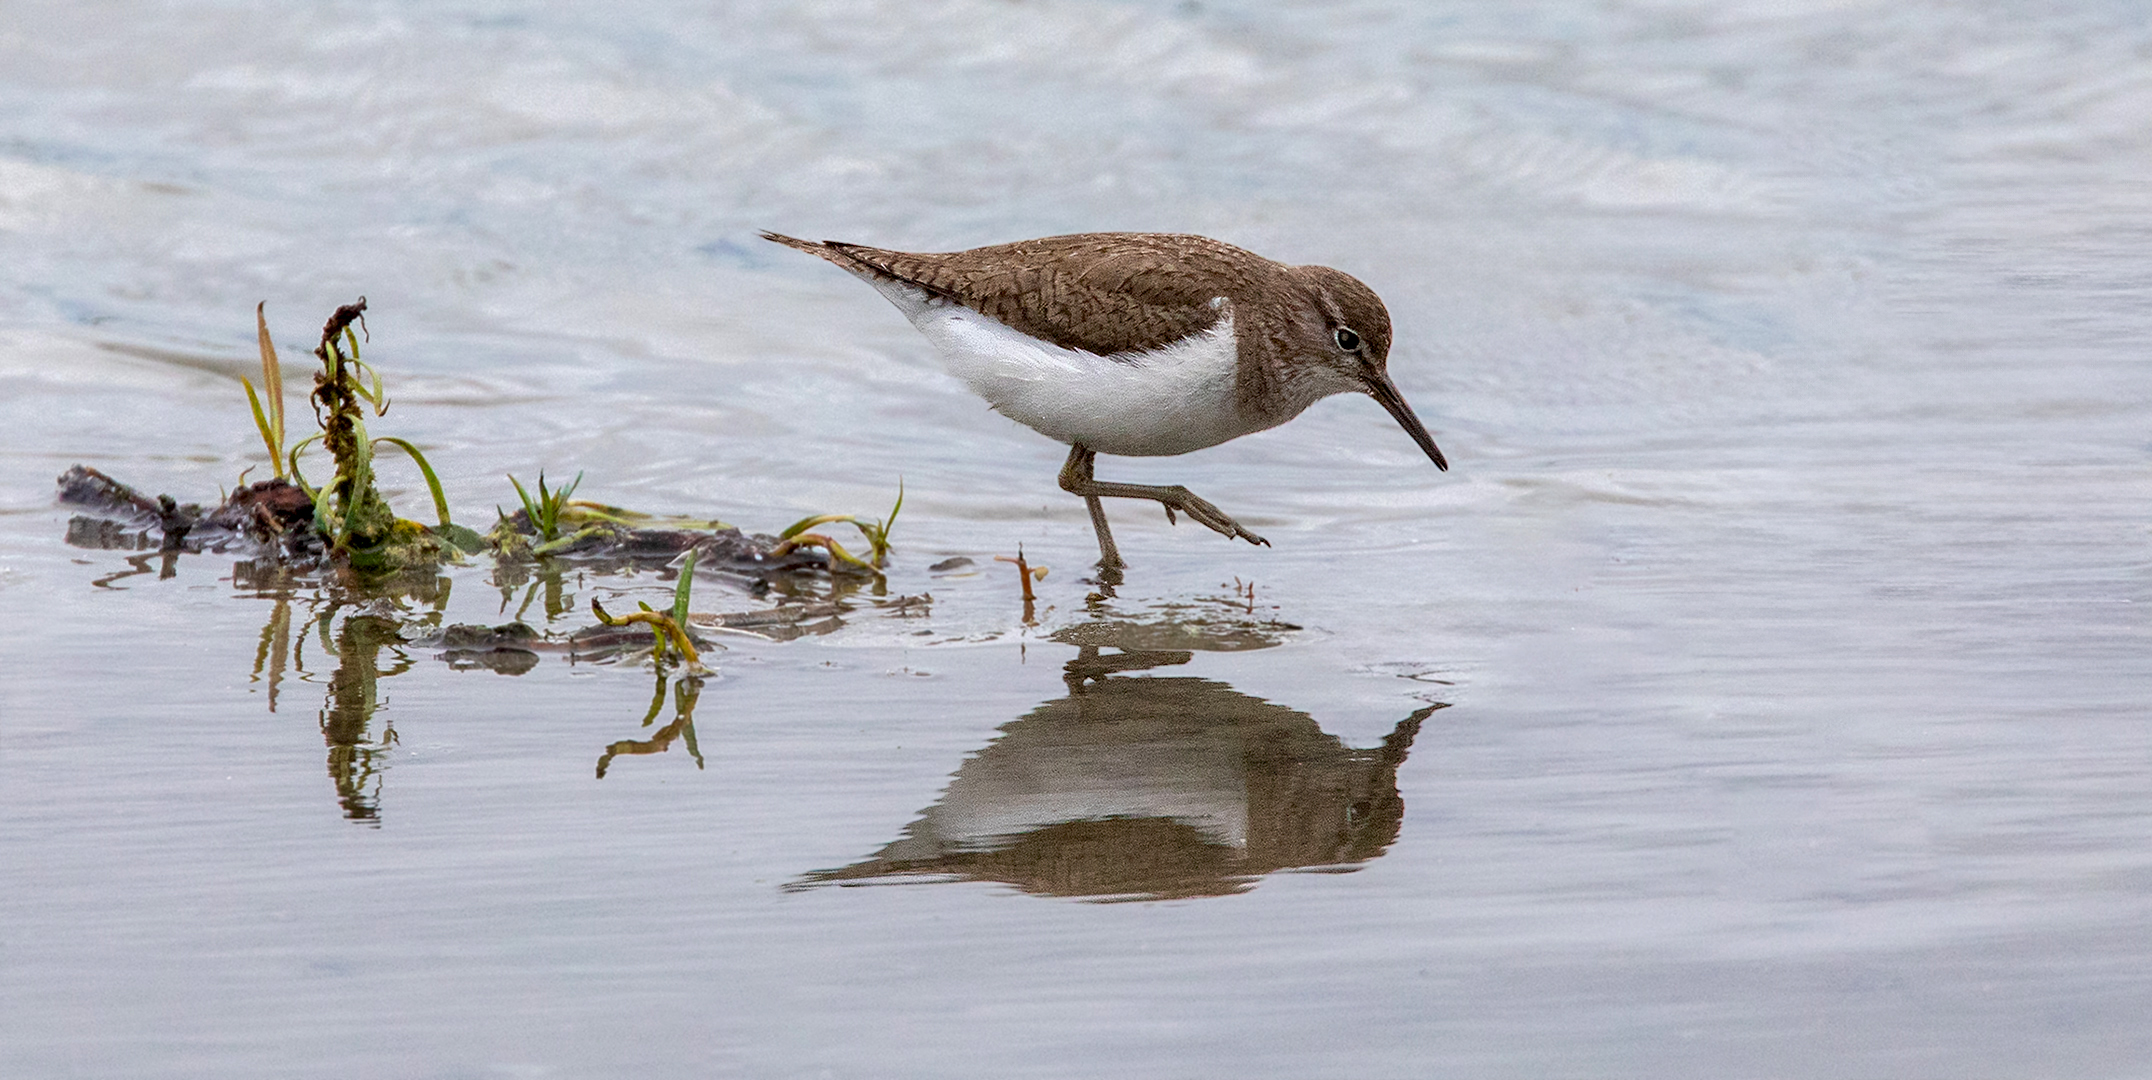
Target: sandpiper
{"points": [[1139, 344]]}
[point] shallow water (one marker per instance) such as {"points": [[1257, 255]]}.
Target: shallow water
{"points": [[1786, 597]]}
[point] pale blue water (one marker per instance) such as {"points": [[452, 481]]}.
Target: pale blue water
{"points": [[1788, 592]]}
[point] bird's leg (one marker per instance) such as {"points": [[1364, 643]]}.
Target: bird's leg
{"points": [[1076, 477]]}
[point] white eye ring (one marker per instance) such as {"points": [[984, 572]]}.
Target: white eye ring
{"points": [[1346, 339]]}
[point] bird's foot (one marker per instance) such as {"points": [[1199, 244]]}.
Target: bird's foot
{"points": [[1077, 479], [1204, 513], [1107, 578]]}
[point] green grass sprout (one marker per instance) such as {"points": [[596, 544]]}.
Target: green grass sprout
{"points": [[544, 512], [291, 458], [433, 482], [269, 418], [685, 587], [875, 530]]}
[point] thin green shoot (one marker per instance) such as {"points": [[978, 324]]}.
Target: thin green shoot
{"points": [[322, 496], [878, 536], [362, 477], [876, 531], [591, 511], [433, 482], [291, 457], [686, 586], [269, 416], [544, 511]]}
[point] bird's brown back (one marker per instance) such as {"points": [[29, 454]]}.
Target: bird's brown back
{"points": [[1103, 293]]}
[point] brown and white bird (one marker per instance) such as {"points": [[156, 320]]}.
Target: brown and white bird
{"points": [[1140, 345]]}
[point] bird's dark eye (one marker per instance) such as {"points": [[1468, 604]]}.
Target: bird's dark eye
{"points": [[1347, 340]]}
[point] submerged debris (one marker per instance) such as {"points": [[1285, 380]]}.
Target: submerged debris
{"points": [[510, 649], [609, 538], [269, 517]]}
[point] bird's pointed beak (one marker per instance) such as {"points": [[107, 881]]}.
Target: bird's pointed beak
{"points": [[1383, 390]]}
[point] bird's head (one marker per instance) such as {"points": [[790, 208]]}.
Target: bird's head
{"points": [[1344, 343]]}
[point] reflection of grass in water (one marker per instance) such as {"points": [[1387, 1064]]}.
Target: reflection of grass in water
{"points": [[355, 762], [275, 645], [558, 600], [686, 692]]}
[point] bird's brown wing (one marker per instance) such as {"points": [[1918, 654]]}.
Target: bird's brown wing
{"points": [[1103, 293]]}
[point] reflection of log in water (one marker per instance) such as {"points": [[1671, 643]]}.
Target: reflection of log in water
{"points": [[355, 763], [1152, 788]]}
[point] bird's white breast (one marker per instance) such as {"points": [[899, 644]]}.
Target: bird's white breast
{"points": [[1167, 401]]}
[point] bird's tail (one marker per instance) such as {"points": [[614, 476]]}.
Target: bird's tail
{"points": [[873, 264], [836, 252], [812, 247]]}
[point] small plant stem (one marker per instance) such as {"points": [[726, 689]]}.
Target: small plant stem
{"points": [[836, 550], [658, 621], [1025, 573]]}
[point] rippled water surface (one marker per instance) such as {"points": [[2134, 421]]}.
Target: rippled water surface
{"points": [[1762, 693]]}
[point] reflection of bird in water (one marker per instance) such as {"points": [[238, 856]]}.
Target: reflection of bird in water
{"points": [[1151, 788]]}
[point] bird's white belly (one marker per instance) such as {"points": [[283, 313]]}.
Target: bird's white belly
{"points": [[1167, 401]]}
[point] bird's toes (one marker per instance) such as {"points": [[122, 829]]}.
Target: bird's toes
{"points": [[1234, 530], [1199, 508]]}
